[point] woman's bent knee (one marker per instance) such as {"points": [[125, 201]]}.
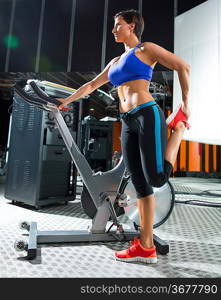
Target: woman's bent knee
{"points": [[159, 181]]}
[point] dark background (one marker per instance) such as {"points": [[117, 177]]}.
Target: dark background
{"points": [[54, 40], [45, 43]]}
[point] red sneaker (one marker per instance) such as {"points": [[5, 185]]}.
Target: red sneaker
{"points": [[137, 253], [177, 116], [134, 242]]}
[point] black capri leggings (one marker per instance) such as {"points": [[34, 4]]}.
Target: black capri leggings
{"points": [[143, 142]]}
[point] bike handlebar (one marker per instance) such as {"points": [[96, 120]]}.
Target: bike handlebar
{"points": [[42, 100], [28, 98], [43, 95]]}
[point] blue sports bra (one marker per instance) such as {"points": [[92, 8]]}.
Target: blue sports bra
{"points": [[130, 67]]}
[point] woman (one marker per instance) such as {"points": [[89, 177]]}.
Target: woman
{"points": [[148, 156]]}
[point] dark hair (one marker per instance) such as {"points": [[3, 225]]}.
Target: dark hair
{"points": [[133, 16]]}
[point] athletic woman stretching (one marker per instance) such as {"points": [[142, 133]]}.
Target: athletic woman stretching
{"points": [[148, 155]]}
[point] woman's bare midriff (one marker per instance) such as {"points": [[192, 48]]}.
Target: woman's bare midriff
{"points": [[133, 93]]}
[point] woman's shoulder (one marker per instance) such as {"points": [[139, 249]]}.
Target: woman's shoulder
{"points": [[148, 44], [150, 48], [113, 60]]}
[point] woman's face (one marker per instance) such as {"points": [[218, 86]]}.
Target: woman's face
{"points": [[122, 30]]}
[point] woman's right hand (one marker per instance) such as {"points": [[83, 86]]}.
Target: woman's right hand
{"points": [[63, 103]]}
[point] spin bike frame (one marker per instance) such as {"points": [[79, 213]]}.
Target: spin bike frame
{"points": [[103, 187]]}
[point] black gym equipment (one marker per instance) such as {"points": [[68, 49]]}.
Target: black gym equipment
{"points": [[40, 171], [106, 195]]}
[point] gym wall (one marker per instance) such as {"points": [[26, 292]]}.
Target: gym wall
{"points": [[198, 41]]}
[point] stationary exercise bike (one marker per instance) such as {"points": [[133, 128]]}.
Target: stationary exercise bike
{"points": [[106, 196]]}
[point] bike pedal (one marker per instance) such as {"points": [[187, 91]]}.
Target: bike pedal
{"points": [[137, 227], [123, 200]]}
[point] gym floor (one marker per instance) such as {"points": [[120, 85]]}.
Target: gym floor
{"points": [[193, 232]]}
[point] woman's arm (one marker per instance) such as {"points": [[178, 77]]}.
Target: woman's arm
{"points": [[88, 87], [173, 62]]}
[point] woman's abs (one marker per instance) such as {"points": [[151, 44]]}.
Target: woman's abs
{"points": [[131, 95]]}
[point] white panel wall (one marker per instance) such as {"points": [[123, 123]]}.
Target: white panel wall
{"points": [[198, 42]]}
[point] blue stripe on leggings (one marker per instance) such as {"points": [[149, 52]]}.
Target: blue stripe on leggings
{"points": [[158, 145]]}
